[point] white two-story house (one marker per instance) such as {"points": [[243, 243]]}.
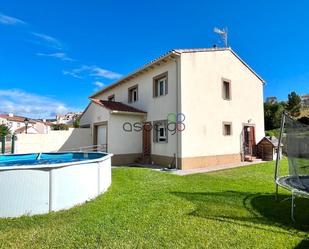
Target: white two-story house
{"points": [[188, 108]]}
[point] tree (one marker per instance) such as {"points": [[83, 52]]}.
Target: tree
{"points": [[272, 115], [76, 123], [294, 104], [4, 130]]}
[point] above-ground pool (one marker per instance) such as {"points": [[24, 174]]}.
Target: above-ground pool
{"points": [[44, 182]]}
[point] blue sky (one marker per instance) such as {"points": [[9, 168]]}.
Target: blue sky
{"points": [[54, 54]]}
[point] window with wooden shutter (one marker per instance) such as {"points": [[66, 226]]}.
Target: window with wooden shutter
{"points": [[133, 94], [160, 85]]}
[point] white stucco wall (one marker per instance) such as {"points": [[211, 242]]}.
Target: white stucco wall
{"points": [[118, 140], [121, 141], [94, 114], [205, 109], [156, 108], [53, 141]]}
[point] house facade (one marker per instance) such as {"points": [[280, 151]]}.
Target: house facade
{"points": [[68, 118], [188, 108], [20, 125]]}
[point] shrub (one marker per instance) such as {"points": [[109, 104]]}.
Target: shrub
{"points": [[4, 130], [58, 127]]}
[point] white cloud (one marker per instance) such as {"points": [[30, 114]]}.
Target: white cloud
{"points": [[38, 38], [98, 83], [96, 71], [9, 20], [48, 40], [101, 72], [30, 104], [61, 56], [71, 73]]}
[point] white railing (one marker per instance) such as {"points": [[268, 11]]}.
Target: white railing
{"points": [[97, 147]]}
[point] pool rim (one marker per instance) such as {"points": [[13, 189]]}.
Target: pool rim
{"points": [[57, 165]]}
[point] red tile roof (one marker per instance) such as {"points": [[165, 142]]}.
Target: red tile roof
{"points": [[116, 106], [15, 118], [22, 129]]}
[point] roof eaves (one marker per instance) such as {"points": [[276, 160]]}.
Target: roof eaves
{"points": [[130, 113], [258, 76], [163, 57], [194, 50]]}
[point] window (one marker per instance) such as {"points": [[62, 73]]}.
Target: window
{"points": [[160, 131], [18, 125], [227, 128], [160, 85], [226, 89], [111, 97], [133, 94]]}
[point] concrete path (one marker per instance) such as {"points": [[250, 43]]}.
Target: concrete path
{"points": [[191, 171], [214, 168]]}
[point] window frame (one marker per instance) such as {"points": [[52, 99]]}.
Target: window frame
{"points": [[224, 124], [156, 85], [131, 91], [224, 80], [111, 97], [157, 127]]}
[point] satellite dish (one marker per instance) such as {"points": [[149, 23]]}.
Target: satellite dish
{"points": [[223, 34]]}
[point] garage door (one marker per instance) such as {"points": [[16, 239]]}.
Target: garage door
{"points": [[102, 134]]}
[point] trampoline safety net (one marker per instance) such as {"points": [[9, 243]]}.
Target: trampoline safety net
{"points": [[297, 148]]}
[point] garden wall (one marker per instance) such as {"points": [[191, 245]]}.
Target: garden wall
{"points": [[53, 141]]}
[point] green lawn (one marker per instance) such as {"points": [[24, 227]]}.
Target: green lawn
{"points": [[148, 209]]}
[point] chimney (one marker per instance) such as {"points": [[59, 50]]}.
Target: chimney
{"points": [[11, 115]]}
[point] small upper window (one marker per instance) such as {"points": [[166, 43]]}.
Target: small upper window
{"points": [[227, 129], [160, 85], [133, 94], [226, 90], [111, 97]]}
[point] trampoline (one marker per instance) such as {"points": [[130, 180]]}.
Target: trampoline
{"points": [[296, 140]]}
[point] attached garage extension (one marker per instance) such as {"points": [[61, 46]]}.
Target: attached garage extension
{"points": [[107, 119]]}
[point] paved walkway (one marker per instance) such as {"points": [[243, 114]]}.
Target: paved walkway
{"points": [[192, 171], [214, 168]]}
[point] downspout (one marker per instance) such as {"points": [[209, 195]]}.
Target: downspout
{"points": [[177, 111]]}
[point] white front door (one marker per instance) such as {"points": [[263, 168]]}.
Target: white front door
{"points": [[102, 135]]}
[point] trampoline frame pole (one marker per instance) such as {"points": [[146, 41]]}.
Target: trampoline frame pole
{"points": [[292, 206], [278, 151]]}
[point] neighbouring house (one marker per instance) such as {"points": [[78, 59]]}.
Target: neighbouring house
{"points": [[19, 125], [24, 130], [267, 148], [305, 100], [215, 98], [68, 118]]}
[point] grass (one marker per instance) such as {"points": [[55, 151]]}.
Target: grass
{"points": [[147, 209]]}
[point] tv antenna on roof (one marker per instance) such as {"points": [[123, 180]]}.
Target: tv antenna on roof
{"points": [[223, 34]]}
